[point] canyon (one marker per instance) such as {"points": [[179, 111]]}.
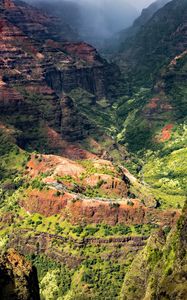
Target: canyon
{"points": [[92, 158]]}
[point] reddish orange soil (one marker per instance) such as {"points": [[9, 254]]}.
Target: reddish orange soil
{"points": [[93, 211], [157, 106], [166, 132], [78, 209], [57, 165], [110, 185], [46, 202], [153, 102]]}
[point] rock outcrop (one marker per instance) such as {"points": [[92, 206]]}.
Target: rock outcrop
{"points": [[95, 211], [38, 243], [18, 279]]}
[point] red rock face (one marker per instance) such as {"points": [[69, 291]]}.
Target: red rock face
{"points": [[46, 203], [36, 63], [157, 107], [8, 4], [92, 211], [166, 132], [83, 51], [19, 56], [78, 209]]}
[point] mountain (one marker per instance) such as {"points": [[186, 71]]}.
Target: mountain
{"points": [[159, 41], [68, 11], [67, 203], [116, 43], [153, 111], [146, 15], [160, 270], [37, 65], [27, 20], [155, 59]]}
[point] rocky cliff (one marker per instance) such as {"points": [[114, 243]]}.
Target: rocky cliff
{"points": [[18, 279], [160, 270], [35, 24], [37, 67]]}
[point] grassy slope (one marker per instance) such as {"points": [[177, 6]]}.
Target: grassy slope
{"points": [[158, 272]]}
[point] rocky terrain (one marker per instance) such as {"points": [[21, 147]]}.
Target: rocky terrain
{"points": [[162, 267], [35, 60], [92, 159], [18, 278]]}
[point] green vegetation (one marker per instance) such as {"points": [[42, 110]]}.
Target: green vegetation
{"points": [[165, 171], [158, 265], [91, 169], [13, 161], [55, 278], [92, 279], [101, 114]]}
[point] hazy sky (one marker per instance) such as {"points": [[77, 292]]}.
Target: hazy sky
{"points": [[141, 3]]}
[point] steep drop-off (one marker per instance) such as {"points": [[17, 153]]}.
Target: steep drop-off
{"points": [[18, 279], [160, 270], [37, 67]]}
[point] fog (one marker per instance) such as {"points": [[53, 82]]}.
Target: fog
{"points": [[139, 4], [94, 20], [105, 17]]}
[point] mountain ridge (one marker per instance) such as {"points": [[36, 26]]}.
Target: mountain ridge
{"points": [[161, 43], [146, 15]]}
